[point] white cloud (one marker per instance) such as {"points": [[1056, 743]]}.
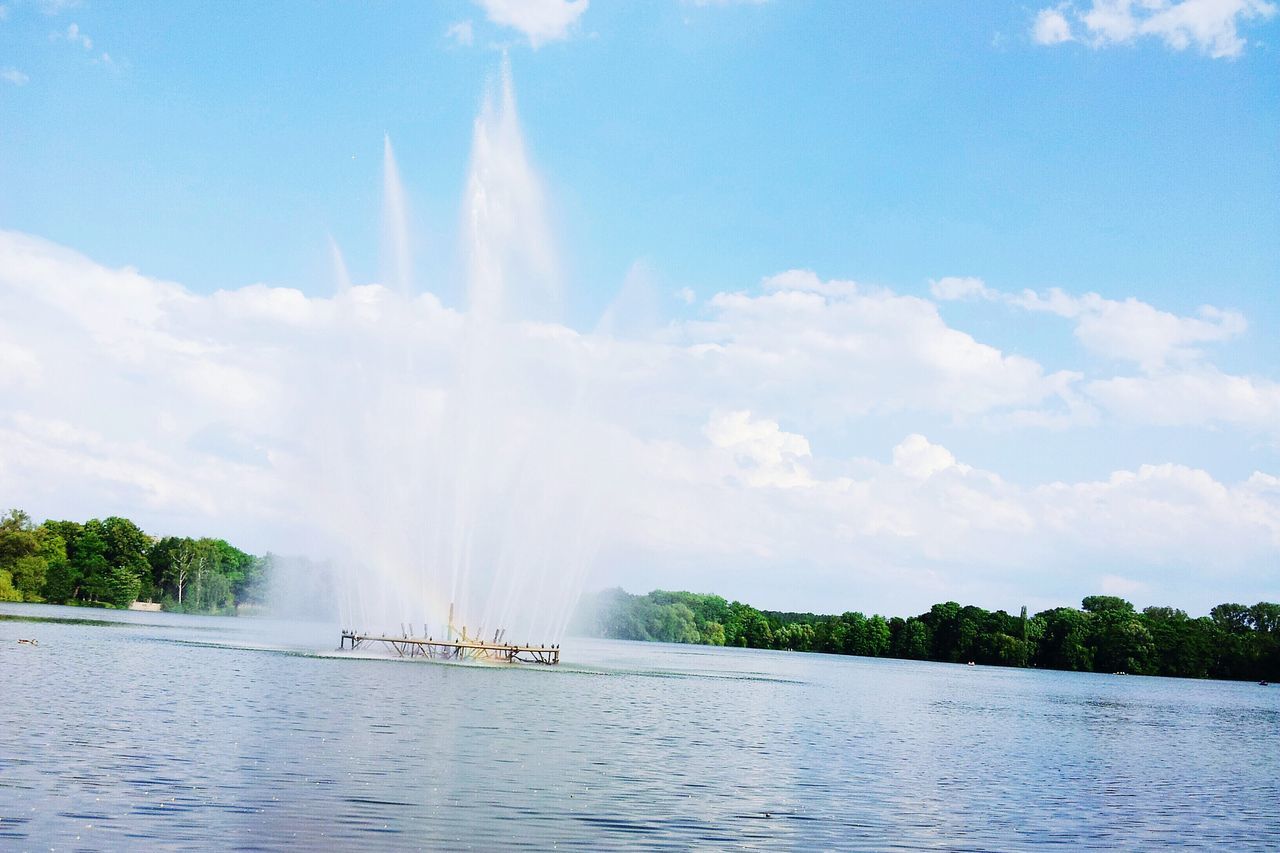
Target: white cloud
{"points": [[460, 33], [274, 417], [1127, 330], [917, 457], [853, 350], [1136, 331], [4, 12], [1051, 27], [541, 21], [1110, 21], [951, 288], [1191, 398], [770, 456], [1212, 26], [14, 76], [1177, 386]]}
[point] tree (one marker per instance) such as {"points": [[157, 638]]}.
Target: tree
{"points": [[757, 632], [1120, 642], [1231, 618], [913, 641], [877, 637], [25, 553], [854, 626], [182, 567], [126, 545], [120, 587], [63, 578], [29, 575], [88, 557], [1105, 604], [1065, 641], [17, 538], [1182, 646]]}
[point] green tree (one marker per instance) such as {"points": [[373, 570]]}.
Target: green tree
{"points": [[1182, 646], [1105, 604], [8, 592], [17, 538], [87, 554], [757, 633], [25, 553], [63, 578], [913, 641], [877, 637], [1120, 641], [1065, 640]]}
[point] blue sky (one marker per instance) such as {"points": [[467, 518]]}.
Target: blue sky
{"points": [[1117, 149], [720, 142]]}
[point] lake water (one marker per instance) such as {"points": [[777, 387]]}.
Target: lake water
{"points": [[157, 731]]}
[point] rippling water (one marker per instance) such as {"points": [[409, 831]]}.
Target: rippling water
{"points": [[163, 731]]}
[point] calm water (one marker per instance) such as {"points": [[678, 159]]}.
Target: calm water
{"points": [[163, 731]]}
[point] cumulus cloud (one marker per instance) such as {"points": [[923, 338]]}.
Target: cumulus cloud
{"points": [[1191, 398], [541, 21], [276, 417], [1127, 330], [858, 350], [14, 76], [1177, 384], [1211, 26], [917, 457], [1051, 27], [771, 456], [1136, 331]]}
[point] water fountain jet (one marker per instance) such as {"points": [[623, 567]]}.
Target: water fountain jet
{"points": [[446, 479]]}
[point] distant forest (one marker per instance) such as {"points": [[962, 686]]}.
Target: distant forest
{"points": [[112, 563], [1106, 635]]}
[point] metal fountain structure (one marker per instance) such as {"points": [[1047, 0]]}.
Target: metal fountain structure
{"points": [[456, 648]]}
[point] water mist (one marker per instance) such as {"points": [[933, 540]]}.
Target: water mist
{"points": [[449, 475]]}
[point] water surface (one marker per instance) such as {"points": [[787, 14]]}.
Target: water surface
{"points": [[159, 731]]}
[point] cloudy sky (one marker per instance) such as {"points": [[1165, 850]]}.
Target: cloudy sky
{"points": [[819, 306]]}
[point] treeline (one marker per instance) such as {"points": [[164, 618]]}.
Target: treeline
{"points": [[1106, 635], [112, 563]]}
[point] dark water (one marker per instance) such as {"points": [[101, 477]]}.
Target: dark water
{"points": [[167, 732]]}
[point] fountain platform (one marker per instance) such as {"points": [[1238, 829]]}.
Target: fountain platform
{"points": [[459, 649]]}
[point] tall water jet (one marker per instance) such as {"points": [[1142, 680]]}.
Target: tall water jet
{"points": [[506, 228], [395, 221], [450, 480], [341, 275]]}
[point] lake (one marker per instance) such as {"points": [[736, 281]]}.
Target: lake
{"points": [[160, 731]]}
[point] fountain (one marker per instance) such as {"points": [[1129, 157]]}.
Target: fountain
{"points": [[447, 485]]}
